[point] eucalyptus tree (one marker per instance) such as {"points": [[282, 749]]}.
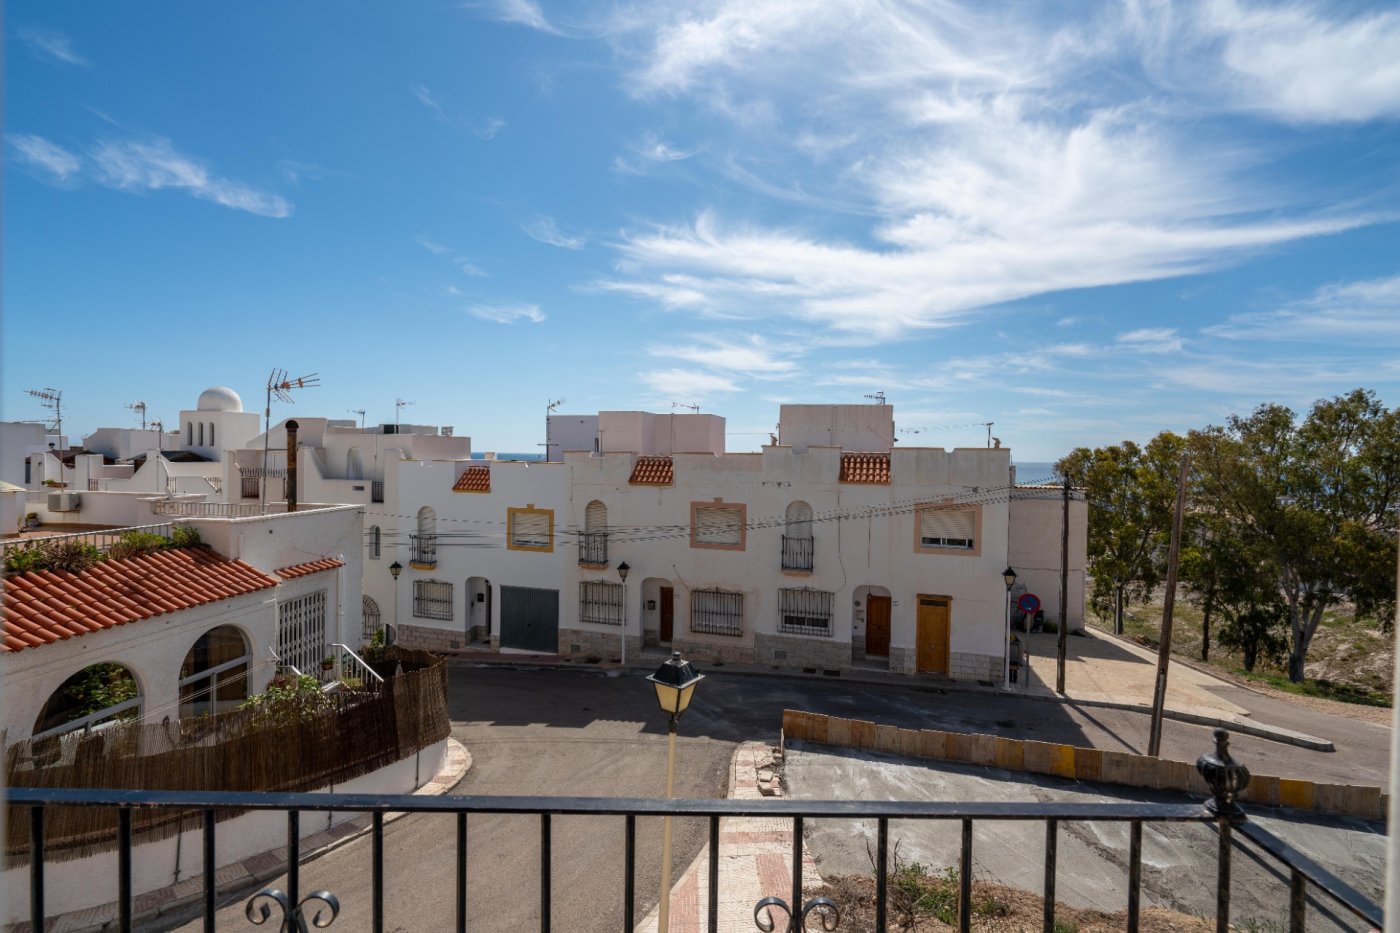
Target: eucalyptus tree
{"points": [[1314, 501]]}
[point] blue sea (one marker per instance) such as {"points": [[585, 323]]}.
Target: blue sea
{"points": [[1031, 472]]}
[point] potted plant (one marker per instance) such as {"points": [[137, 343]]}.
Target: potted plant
{"points": [[328, 662], [31, 520]]}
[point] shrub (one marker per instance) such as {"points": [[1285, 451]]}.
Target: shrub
{"points": [[288, 699], [136, 544], [185, 536], [53, 554]]}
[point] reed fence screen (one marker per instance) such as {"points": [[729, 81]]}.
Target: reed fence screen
{"points": [[296, 747]]}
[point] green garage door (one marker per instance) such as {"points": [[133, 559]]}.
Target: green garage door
{"points": [[530, 619]]}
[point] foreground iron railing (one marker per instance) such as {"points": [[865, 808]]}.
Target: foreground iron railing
{"points": [[1222, 812]]}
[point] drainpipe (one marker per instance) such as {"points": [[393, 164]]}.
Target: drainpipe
{"points": [[291, 466]]}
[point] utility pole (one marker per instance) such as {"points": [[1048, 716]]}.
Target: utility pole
{"points": [[1060, 644], [1164, 650]]}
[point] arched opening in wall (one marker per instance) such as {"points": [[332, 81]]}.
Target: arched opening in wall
{"points": [[214, 677], [478, 609], [797, 537], [211, 434], [375, 542], [97, 695], [354, 466], [424, 543], [201, 434], [189, 433], [371, 621], [593, 549]]}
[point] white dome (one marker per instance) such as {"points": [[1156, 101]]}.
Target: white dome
{"points": [[220, 398]]}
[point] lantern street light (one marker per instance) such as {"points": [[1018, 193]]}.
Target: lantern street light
{"points": [[395, 569], [675, 682], [1009, 576], [622, 570]]}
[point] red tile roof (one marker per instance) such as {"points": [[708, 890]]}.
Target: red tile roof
{"points": [[865, 468], [476, 479], [47, 606], [315, 566], [652, 471]]}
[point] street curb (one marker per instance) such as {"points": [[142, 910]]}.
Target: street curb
{"points": [[236, 878]]}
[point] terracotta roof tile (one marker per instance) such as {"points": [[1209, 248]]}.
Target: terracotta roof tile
{"points": [[865, 468], [46, 606], [476, 479], [652, 471], [315, 566]]}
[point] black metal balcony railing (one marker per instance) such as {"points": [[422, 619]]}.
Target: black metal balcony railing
{"points": [[376, 490], [423, 550], [1225, 777], [593, 547], [797, 553]]}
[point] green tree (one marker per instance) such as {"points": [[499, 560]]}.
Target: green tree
{"points": [[1258, 629], [1131, 493], [1314, 501]]}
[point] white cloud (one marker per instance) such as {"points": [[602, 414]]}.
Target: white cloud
{"points": [[426, 98], [1151, 340], [546, 230], [471, 269], [432, 246], [47, 156], [687, 383], [1364, 312], [524, 12], [52, 45], [508, 314], [128, 165], [751, 355], [488, 129]]}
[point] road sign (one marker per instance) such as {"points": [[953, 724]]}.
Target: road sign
{"points": [[1029, 602]]}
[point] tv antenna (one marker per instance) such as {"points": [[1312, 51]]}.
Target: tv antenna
{"points": [[52, 399], [141, 407], [879, 397], [988, 426], [360, 412], [279, 385], [549, 409], [399, 405], [693, 408]]}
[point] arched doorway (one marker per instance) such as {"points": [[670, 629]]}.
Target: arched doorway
{"points": [[478, 609], [214, 676], [370, 620]]}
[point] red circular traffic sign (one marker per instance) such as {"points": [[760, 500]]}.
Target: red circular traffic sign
{"points": [[1029, 602]]}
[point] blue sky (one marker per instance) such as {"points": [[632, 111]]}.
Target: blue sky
{"points": [[1080, 223]]}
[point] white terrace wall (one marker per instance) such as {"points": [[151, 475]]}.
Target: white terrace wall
{"points": [[1037, 522]]}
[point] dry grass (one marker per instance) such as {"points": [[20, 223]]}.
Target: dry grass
{"points": [[999, 909]]}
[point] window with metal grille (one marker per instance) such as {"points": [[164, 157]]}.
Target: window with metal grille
{"points": [[530, 529], [804, 611], [301, 631], [600, 602], [432, 599], [950, 528], [370, 619], [716, 612], [718, 526]]}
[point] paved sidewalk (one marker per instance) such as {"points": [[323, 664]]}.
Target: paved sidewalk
{"points": [[755, 859]]}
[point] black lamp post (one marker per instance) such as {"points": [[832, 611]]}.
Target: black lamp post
{"points": [[395, 569], [675, 682], [1009, 576], [622, 570]]}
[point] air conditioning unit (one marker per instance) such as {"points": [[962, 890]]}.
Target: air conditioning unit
{"points": [[64, 501]]}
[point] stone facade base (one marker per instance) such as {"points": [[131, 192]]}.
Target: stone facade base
{"points": [[799, 651], [965, 666], [430, 639], [903, 660], [580, 644], [737, 653]]}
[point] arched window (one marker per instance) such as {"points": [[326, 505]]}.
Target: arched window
{"points": [[211, 434], [99, 693], [201, 434], [424, 550], [427, 521], [214, 677], [354, 468], [374, 542], [593, 549], [369, 611], [797, 537], [189, 433]]}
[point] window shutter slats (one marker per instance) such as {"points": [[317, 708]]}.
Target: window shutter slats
{"points": [[596, 518], [717, 525], [946, 523]]}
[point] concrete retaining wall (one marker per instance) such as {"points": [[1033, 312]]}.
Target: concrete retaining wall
{"points": [[1080, 764]]}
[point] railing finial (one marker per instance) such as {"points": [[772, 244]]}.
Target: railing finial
{"points": [[1225, 776]]}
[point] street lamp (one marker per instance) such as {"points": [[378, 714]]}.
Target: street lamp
{"points": [[675, 682], [395, 569], [1009, 576], [622, 569]]}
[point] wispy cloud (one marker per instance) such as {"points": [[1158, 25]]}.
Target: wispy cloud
{"points": [[426, 98], [1349, 312], [751, 355], [471, 268], [139, 167], [49, 157], [52, 45], [508, 314], [488, 128], [546, 230], [687, 383], [1150, 340], [524, 12], [432, 246]]}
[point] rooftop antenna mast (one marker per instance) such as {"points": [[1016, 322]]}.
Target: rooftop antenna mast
{"points": [[879, 397], [361, 413], [52, 399], [279, 385], [399, 405], [549, 409], [141, 407], [674, 406], [988, 426]]}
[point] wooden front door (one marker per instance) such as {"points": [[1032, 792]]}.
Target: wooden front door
{"points": [[877, 626], [934, 617], [666, 603]]}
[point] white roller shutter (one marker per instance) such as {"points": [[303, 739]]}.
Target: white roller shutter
{"points": [[716, 525], [530, 529], [951, 527], [596, 518]]}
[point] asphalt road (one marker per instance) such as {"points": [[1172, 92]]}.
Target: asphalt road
{"points": [[569, 732]]}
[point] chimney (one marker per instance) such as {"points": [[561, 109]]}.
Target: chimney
{"points": [[292, 466]]}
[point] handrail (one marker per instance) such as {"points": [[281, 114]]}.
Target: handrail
{"points": [[1322, 879], [359, 660]]}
